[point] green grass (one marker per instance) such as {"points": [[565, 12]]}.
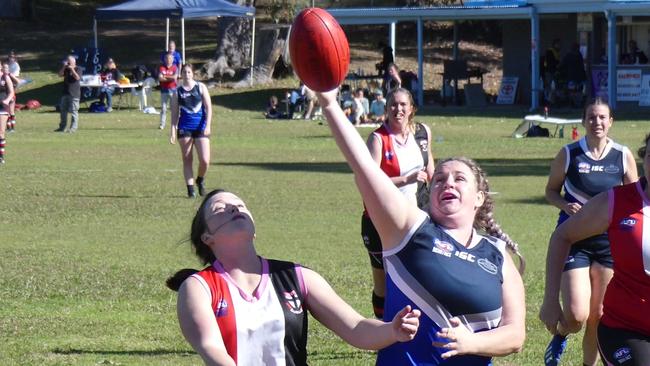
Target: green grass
{"points": [[93, 223]]}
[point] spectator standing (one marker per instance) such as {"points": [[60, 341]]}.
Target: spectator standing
{"points": [[386, 60], [378, 107], [71, 74], [392, 79], [110, 75], [167, 76], [572, 67], [171, 48]]}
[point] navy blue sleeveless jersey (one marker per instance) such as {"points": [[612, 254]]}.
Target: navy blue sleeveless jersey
{"points": [[192, 112], [432, 272], [586, 176]]}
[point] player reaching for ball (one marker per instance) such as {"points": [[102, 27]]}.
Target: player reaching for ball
{"points": [[243, 309], [464, 282]]}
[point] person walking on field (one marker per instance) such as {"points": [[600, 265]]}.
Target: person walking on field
{"points": [[585, 168], [167, 76], [191, 126], [464, 282], [71, 74], [401, 148], [623, 333], [243, 309]]}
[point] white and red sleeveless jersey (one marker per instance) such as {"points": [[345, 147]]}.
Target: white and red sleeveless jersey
{"points": [[267, 328], [400, 159], [627, 299]]}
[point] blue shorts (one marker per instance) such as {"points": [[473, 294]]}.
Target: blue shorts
{"points": [[195, 134], [585, 252]]}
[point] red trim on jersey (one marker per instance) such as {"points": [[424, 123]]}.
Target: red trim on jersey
{"points": [[223, 308], [627, 299], [389, 163]]}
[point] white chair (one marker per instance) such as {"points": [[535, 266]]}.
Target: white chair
{"points": [[144, 92]]}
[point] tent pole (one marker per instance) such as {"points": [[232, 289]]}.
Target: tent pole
{"points": [[167, 34], [95, 30], [183, 38], [252, 53], [420, 95]]}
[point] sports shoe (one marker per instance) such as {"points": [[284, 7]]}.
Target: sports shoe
{"points": [[59, 130], [2, 161], [201, 189], [191, 194], [109, 109], [554, 350]]}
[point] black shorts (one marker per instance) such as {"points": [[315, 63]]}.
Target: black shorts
{"points": [[588, 251], [195, 134], [372, 242], [623, 347]]}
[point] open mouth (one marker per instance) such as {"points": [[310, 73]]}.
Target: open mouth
{"points": [[448, 196]]}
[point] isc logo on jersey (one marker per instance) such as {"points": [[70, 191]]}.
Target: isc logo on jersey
{"points": [[586, 168], [447, 249]]}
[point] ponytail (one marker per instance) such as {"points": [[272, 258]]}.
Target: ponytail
{"points": [[174, 282]]}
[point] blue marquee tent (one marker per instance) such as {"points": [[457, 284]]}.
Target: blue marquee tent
{"points": [[175, 9], [178, 9]]}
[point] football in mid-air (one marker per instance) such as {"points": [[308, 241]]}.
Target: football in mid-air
{"points": [[320, 54]]}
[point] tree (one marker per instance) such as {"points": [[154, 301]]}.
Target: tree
{"points": [[233, 50]]}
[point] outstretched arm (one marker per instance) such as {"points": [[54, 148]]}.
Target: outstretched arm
{"points": [[392, 214], [334, 313], [198, 324], [592, 219]]}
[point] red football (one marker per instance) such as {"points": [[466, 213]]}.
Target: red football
{"points": [[319, 50]]}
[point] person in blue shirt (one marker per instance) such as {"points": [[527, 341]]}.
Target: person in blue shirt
{"points": [[178, 59], [192, 126], [450, 263]]}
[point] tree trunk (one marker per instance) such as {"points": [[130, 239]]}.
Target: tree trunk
{"points": [[270, 47], [231, 61], [233, 50]]}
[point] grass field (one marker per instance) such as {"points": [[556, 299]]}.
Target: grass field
{"points": [[92, 223]]}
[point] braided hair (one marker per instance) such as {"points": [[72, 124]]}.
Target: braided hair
{"points": [[484, 219]]}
